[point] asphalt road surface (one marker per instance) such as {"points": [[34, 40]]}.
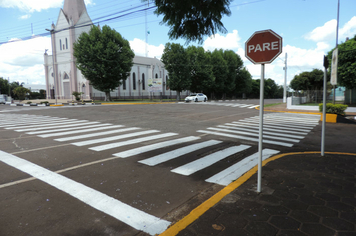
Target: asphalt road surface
{"points": [[129, 169]]}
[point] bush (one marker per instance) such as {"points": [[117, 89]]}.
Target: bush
{"points": [[44, 102], [338, 109], [29, 102]]}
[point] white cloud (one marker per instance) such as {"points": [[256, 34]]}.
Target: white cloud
{"points": [[348, 30], [24, 17], [23, 60], [34, 5], [231, 41], [139, 48]]}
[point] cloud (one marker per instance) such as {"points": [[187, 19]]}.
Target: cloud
{"points": [[24, 17], [139, 47], [35, 5], [23, 60], [231, 41]]}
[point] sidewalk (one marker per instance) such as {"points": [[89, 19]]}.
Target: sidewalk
{"points": [[302, 194]]}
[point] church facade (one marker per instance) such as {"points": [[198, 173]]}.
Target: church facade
{"points": [[63, 78]]}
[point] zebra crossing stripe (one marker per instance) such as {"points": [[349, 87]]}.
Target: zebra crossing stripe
{"points": [[272, 126], [256, 135], [152, 147], [246, 138], [45, 124], [264, 132], [32, 122], [209, 160], [56, 126], [66, 129], [127, 214], [278, 124], [232, 173], [129, 142], [285, 121], [78, 131], [96, 134], [112, 138], [265, 128], [253, 106], [177, 153]]}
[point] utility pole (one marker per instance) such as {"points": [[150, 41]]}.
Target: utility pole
{"points": [[285, 81], [337, 38], [146, 30], [54, 71]]}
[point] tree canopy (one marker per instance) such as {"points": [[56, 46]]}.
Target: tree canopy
{"points": [[194, 19], [104, 57], [21, 92], [312, 80], [346, 70]]}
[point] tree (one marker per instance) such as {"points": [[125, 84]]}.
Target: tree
{"points": [[194, 19], [234, 65], [200, 68], [244, 82], [104, 57], [176, 62], [220, 71], [346, 69], [21, 92], [308, 80], [4, 86]]}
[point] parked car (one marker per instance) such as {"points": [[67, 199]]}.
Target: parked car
{"points": [[3, 98], [196, 97]]}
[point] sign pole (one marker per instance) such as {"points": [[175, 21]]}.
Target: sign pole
{"points": [[259, 173], [326, 65]]}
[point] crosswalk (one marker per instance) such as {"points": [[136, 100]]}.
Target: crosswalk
{"points": [[220, 103], [281, 129], [36, 108], [126, 142]]}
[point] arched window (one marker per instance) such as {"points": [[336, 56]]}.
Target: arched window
{"points": [[167, 82], [134, 81], [66, 76], [124, 84], [66, 43], [156, 76], [143, 82], [60, 44]]}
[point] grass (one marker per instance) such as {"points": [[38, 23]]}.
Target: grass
{"points": [[272, 104], [135, 101]]}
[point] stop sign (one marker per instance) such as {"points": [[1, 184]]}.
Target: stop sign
{"points": [[263, 47]]}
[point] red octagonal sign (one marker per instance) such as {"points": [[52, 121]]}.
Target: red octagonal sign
{"points": [[263, 47]]}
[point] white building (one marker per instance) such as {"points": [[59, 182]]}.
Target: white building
{"points": [[62, 75]]}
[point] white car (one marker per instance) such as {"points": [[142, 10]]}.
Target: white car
{"points": [[198, 97]]}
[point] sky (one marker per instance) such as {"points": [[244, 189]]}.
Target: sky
{"points": [[308, 29]]}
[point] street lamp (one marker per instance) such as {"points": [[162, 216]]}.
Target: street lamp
{"points": [[54, 74]]}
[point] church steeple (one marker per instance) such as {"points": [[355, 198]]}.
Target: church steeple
{"points": [[73, 9]]}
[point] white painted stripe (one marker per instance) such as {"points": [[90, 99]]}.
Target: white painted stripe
{"points": [[256, 126], [284, 121], [209, 160], [255, 135], [66, 129], [26, 123], [276, 133], [57, 126], [244, 105], [100, 201], [278, 124], [96, 134], [177, 153], [133, 141], [271, 126], [44, 124], [232, 173], [107, 139], [152, 147], [78, 131], [293, 119], [253, 106], [245, 138]]}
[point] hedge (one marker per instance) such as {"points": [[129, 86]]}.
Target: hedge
{"points": [[338, 109]]}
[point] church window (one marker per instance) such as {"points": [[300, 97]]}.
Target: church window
{"points": [[124, 84], [60, 44], [167, 82], [66, 43], [156, 76], [143, 81], [134, 81]]}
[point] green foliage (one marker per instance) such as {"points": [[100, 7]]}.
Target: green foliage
{"points": [[175, 60], [21, 92], [77, 95], [346, 70], [334, 108], [194, 19], [44, 102], [29, 102], [312, 80], [104, 57], [220, 71]]}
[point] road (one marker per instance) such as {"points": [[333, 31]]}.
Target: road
{"points": [[129, 169]]}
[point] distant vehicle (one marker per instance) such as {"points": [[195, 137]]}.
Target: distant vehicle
{"points": [[196, 97], [3, 98]]}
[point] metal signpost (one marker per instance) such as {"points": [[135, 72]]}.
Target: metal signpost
{"points": [[262, 48]]}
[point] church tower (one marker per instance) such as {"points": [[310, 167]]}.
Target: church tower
{"points": [[62, 75]]}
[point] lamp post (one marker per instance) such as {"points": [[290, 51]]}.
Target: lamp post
{"points": [[54, 74]]}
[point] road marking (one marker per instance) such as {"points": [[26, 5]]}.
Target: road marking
{"points": [[235, 171], [245, 138], [25, 123], [45, 124], [66, 129], [96, 134], [279, 124], [256, 126], [155, 146], [271, 126], [177, 153], [56, 126], [78, 131], [255, 135], [132, 141], [112, 138], [102, 202], [206, 161]]}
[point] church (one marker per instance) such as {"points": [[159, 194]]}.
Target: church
{"points": [[63, 78]]}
